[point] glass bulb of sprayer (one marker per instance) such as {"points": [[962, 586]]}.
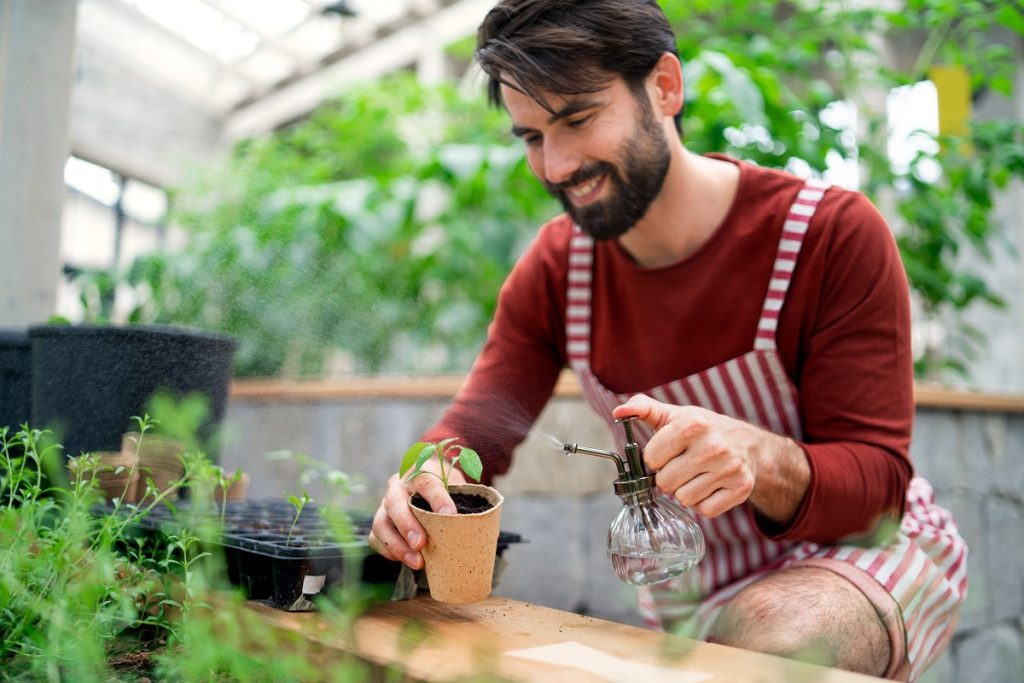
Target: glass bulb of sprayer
{"points": [[651, 541]]}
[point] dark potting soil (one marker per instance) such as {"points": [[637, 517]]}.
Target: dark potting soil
{"points": [[130, 656], [465, 503]]}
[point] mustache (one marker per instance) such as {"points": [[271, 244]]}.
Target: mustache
{"points": [[581, 176]]}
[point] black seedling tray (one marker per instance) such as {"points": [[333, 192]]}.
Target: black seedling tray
{"points": [[287, 572]]}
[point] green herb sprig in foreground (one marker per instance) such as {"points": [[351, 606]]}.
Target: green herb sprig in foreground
{"points": [[86, 597]]}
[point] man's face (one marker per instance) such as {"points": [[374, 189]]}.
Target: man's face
{"points": [[604, 155]]}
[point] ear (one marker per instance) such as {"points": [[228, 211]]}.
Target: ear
{"points": [[666, 79]]}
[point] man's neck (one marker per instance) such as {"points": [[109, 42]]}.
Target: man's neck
{"points": [[694, 200]]}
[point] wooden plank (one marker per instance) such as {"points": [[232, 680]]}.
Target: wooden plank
{"points": [[437, 642], [933, 396], [444, 387]]}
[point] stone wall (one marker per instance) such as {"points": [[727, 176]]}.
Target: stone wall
{"points": [[975, 462], [562, 505]]}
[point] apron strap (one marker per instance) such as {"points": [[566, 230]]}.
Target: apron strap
{"points": [[577, 311], [793, 231]]}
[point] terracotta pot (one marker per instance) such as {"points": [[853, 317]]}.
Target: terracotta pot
{"points": [[460, 550], [111, 483], [237, 491], [159, 459]]}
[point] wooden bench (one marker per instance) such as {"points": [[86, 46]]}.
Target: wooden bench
{"points": [[518, 641]]}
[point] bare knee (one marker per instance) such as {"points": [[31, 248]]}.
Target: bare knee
{"points": [[809, 614]]}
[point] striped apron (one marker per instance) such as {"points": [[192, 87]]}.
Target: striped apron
{"points": [[923, 567]]}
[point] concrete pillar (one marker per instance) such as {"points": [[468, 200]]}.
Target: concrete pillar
{"points": [[37, 42]]}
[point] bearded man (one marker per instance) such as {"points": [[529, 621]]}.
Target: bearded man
{"points": [[756, 323]]}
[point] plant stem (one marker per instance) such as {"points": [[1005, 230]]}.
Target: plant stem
{"points": [[930, 48]]}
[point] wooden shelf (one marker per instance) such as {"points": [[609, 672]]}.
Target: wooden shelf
{"points": [[933, 396], [444, 387]]}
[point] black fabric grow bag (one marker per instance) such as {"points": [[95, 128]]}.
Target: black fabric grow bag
{"points": [[15, 379], [89, 381]]}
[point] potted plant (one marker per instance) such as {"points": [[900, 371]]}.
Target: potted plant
{"points": [[461, 549]]}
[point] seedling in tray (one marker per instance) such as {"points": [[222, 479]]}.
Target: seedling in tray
{"points": [[298, 504]]}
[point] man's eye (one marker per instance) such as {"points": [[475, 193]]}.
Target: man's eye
{"points": [[576, 123], [531, 139]]}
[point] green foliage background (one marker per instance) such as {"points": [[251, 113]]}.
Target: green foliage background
{"points": [[379, 230], [382, 227]]}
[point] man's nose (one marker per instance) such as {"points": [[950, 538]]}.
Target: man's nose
{"points": [[560, 162]]}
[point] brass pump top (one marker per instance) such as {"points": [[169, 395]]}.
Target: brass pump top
{"points": [[633, 475]]}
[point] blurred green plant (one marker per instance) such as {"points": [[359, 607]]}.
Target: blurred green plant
{"points": [[379, 229], [762, 77], [82, 593]]}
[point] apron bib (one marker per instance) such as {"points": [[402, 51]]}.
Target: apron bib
{"points": [[923, 568]]}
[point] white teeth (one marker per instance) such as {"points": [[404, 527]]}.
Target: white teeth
{"points": [[584, 189]]}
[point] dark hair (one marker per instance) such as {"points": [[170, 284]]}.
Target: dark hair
{"points": [[571, 47]]}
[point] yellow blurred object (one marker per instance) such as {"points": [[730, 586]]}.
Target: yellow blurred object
{"points": [[953, 84]]}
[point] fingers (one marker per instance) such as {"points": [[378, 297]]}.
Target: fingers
{"points": [[710, 482], [719, 502], [396, 534], [653, 413], [434, 492], [387, 540], [700, 457]]}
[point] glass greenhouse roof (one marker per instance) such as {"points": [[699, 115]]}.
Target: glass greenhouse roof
{"points": [[211, 71]]}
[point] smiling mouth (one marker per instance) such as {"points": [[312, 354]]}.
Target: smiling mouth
{"points": [[586, 192]]}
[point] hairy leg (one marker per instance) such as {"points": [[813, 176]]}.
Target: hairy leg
{"points": [[810, 614]]}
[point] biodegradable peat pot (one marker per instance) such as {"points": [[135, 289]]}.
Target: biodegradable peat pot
{"points": [[461, 549]]}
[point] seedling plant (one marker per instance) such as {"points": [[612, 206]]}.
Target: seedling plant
{"points": [[448, 454], [298, 503]]}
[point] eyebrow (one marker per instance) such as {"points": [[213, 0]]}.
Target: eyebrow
{"points": [[570, 109]]}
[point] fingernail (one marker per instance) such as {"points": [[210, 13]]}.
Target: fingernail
{"points": [[414, 538], [448, 510], [413, 560]]}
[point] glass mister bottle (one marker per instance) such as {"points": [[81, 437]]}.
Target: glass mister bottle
{"points": [[650, 540]]}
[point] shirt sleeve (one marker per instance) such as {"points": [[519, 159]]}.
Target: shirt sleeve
{"points": [[518, 366], [855, 380]]}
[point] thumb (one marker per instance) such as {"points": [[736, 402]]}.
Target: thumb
{"points": [[434, 492], [651, 412]]}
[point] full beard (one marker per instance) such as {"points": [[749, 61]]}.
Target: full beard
{"points": [[645, 162]]}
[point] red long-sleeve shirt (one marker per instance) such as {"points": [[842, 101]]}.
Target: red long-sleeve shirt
{"points": [[844, 338]]}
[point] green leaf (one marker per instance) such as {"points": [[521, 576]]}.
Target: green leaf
{"points": [[470, 463], [426, 454], [410, 457], [1011, 18]]}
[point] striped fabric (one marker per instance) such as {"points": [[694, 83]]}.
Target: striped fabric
{"points": [[924, 567]]}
